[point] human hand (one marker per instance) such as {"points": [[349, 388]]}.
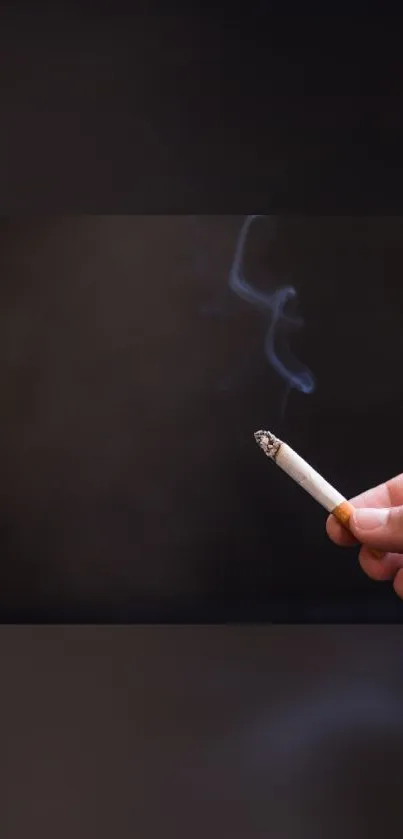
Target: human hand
{"points": [[377, 522]]}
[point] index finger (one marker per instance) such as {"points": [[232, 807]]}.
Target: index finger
{"points": [[389, 494]]}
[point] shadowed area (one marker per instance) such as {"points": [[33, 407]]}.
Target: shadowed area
{"points": [[195, 731], [131, 485]]}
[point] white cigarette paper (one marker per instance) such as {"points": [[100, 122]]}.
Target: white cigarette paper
{"points": [[307, 478]]}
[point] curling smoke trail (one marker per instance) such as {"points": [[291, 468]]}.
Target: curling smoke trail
{"points": [[273, 304]]}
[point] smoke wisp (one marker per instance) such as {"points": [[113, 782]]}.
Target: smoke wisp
{"points": [[273, 305]]}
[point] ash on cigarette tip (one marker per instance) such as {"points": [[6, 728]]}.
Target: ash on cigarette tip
{"points": [[267, 442]]}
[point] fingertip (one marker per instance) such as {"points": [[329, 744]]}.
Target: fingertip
{"points": [[339, 534], [333, 529], [379, 570], [387, 568]]}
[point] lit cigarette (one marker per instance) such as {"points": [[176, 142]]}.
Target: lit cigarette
{"points": [[307, 478]]}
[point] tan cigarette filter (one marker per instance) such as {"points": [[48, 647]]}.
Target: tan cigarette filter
{"points": [[343, 514]]}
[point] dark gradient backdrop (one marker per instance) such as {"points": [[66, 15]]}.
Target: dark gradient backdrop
{"points": [[132, 380], [290, 732]]}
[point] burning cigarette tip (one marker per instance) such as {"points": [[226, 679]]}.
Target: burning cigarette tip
{"points": [[268, 443]]}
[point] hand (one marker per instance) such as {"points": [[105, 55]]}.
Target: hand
{"points": [[376, 523]]}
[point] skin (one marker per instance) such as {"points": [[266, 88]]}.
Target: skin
{"points": [[387, 536]]}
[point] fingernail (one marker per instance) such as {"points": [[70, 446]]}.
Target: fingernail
{"points": [[370, 518]]}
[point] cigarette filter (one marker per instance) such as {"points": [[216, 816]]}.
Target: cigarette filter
{"points": [[310, 480]]}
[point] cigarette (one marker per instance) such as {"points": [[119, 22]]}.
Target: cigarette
{"points": [[307, 478]]}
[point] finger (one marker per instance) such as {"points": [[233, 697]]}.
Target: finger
{"points": [[376, 497], [380, 528], [380, 569], [388, 494], [384, 495], [339, 534]]}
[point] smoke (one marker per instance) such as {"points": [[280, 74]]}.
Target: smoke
{"points": [[273, 305]]}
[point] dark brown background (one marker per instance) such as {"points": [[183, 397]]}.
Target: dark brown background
{"points": [[131, 485], [186, 731], [159, 109], [174, 732]]}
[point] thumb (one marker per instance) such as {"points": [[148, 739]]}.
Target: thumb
{"points": [[379, 528]]}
